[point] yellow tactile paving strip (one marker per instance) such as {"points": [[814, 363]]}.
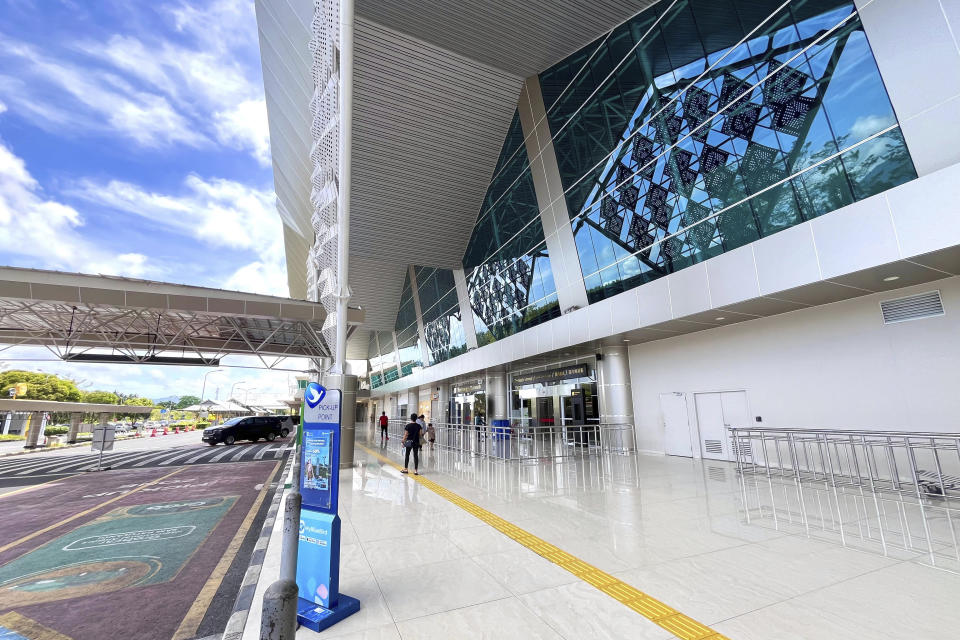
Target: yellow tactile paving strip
{"points": [[650, 608]]}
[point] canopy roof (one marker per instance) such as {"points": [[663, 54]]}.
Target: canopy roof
{"points": [[110, 319], [7, 404]]}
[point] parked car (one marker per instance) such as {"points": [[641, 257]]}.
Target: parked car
{"points": [[250, 428]]}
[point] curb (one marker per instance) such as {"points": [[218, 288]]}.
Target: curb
{"points": [[241, 607]]}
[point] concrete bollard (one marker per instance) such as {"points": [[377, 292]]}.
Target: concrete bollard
{"points": [[279, 619], [291, 536]]}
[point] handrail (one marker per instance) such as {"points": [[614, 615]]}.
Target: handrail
{"points": [[521, 442], [922, 463]]}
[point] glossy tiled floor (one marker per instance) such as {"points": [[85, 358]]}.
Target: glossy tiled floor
{"points": [[753, 560]]}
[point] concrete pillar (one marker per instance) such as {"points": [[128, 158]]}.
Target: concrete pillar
{"points": [[616, 396], [36, 426], [413, 401], [76, 419], [443, 402], [466, 311], [496, 385], [7, 419], [564, 259], [348, 411]]}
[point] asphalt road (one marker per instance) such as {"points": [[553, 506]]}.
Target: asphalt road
{"points": [[154, 548]]}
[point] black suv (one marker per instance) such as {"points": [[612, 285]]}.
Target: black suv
{"points": [[249, 428]]}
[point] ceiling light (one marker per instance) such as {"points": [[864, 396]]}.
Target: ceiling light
{"points": [[721, 318], [891, 278], [626, 340]]}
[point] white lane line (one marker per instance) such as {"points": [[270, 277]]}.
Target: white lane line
{"points": [[265, 449], [174, 458], [109, 460], [240, 453], [157, 458], [139, 455], [227, 451], [209, 451], [51, 463], [35, 463]]}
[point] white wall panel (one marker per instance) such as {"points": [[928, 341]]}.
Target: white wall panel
{"points": [[786, 259], [733, 277], [653, 302], [926, 213], [689, 290], [862, 237], [835, 366]]}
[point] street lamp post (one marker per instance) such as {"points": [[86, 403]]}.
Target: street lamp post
{"points": [[234, 387], [204, 388]]}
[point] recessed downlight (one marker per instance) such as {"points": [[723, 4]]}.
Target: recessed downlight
{"points": [[721, 317], [626, 340], [891, 278]]}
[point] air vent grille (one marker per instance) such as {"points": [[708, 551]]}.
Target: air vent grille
{"points": [[924, 305], [713, 446]]}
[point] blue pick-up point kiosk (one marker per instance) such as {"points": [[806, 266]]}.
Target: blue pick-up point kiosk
{"points": [[318, 554]]}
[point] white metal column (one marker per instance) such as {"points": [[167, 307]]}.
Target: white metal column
{"points": [[412, 272], [564, 260], [616, 395], [466, 311]]}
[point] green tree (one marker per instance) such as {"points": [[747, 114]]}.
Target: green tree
{"points": [[135, 401], [40, 386], [186, 401], [101, 397]]}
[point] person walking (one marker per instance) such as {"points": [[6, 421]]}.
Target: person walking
{"points": [[411, 442], [431, 434], [384, 422]]}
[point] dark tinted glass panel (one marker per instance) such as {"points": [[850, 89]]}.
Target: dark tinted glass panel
{"points": [[725, 121]]}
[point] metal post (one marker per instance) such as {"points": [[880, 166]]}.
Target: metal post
{"points": [[279, 614], [345, 182]]}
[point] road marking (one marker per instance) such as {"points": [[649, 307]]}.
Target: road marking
{"points": [[157, 457], [239, 454], [264, 449], [227, 451], [188, 453], [34, 465], [53, 526], [33, 486], [679, 624], [191, 622], [23, 626], [206, 452]]}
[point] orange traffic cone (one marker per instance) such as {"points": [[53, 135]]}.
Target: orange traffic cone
{"points": [[153, 433], [176, 430], [164, 431]]}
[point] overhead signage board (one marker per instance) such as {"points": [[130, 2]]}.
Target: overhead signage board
{"points": [[552, 375], [318, 553], [468, 388]]}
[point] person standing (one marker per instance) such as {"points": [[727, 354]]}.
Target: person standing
{"points": [[423, 430], [384, 422], [431, 434], [411, 442]]}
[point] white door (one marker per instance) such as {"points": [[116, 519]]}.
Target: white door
{"points": [[715, 413], [676, 425]]}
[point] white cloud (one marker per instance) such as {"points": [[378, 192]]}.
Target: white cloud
{"points": [[45, 231], [198, 88], [245, 127], [3, 107], [219, 213]]}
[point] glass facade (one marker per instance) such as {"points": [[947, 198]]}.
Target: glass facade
{"points": [[699, 127], [694, 128], [509, 279], [442, 324], [382, 358]]}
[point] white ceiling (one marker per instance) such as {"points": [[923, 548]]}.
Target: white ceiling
{"points": [[435, 88]]}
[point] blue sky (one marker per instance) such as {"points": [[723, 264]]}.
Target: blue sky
{"points": [[133, 142]]}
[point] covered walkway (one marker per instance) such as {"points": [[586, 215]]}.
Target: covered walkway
{"points": [[628, 546]]}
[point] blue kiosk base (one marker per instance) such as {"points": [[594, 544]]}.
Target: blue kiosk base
{"points": [[317, 618]]}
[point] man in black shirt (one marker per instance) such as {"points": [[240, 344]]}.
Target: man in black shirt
{"points": [[411, 441]]}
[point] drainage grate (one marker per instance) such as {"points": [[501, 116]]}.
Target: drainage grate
{"points": [[924, 305]]}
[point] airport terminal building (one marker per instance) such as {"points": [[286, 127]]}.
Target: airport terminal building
{"points": [[668, 217]]}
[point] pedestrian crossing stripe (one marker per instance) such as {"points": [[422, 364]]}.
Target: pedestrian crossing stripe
{"points": [[177, 456], [679, 624]]}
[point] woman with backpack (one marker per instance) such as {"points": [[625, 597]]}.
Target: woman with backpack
{"points": [[411, 441]]}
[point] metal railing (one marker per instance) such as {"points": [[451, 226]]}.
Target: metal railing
{"points": [[524, 442], [925, 464]]}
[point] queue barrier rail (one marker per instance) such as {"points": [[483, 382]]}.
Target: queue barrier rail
{"points": [[924, 464], [523, 442]]}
